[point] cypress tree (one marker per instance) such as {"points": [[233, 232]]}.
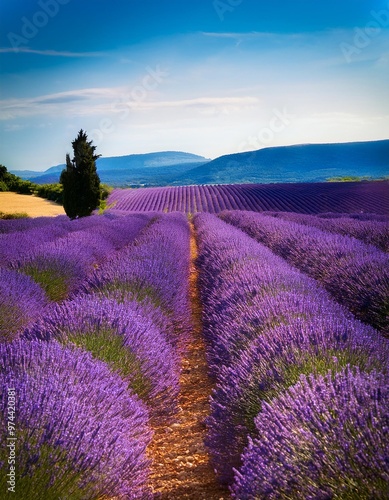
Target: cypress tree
{"points": [[80, 181]]}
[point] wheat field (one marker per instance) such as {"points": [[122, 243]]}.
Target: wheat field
{"points": [[33, 206]]}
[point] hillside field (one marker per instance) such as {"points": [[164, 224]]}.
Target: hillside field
{"points": [[206, 342]]}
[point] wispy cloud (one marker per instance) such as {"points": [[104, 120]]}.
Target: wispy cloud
{"points": [[199, 101], [95, 101], [51, 53], [254, 35], [14, 127], [58, 102]]}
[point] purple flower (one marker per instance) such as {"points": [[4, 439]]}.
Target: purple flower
{"points": [[274, 362], [356, 274], [300, 197], [149, 270], [326, 437], [371, 231], [22, 301], [122, 335], [80, 433], [266, 324]]}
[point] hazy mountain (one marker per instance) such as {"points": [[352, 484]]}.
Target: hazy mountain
{"points": [[150, 168], [301, 163]]}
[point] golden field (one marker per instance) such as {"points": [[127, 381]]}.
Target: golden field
{"points": [[33, 206]]}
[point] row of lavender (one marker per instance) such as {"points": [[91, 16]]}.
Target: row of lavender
{"points": [[372, 232], [101, 361], [313, 198], [49, 261], [299, 409], [356, 274]]}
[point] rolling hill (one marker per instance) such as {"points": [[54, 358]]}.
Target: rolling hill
{"points": [[138, 169], [299, 163]]}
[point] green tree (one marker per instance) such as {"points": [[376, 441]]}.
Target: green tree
{"points": [[3, 178], [80, 181]]}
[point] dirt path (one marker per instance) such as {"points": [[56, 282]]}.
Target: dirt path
{"points": [[181, 468]]}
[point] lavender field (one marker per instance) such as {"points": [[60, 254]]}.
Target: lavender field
{"points": [[308, 198], [96, 319]]}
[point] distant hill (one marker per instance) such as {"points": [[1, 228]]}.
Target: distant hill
{"points": [[137, 169], [301, 163]]}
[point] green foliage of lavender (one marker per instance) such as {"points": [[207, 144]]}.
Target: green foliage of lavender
{"points": [[123, 336], [109, 347], [52, 280]]}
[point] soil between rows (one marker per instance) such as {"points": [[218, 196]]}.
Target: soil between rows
{"points": [[181, 465]]}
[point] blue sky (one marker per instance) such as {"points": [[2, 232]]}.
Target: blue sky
{"points": [[210, 77]]}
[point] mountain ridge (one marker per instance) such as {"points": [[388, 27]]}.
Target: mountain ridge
{"points": [[295, 163]]}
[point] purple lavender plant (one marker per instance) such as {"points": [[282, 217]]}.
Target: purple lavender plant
{"points": [[266, 324], [274, 362], [371, 232], [155, 268], [326, 437], [22, 301], [79, 433], [16, 244], [58, 272], [62, 265], [121, 231], [25, 224], [356, 274], [122, 335], [305, 198]]}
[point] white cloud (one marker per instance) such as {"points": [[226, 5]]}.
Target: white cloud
{"points": [[51, 53], [64, 102], [196, 102], [97, 101]]}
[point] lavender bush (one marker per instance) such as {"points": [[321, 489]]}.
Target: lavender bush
{"points": [[125, 338], [149, 271], [265, 324], [62, 265], [15, 245], [80, 434], [26, 224], [357, 216], [356, 274], [326, 437], [22, 301], [274, 362], [372, 232], [35, 235]]}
